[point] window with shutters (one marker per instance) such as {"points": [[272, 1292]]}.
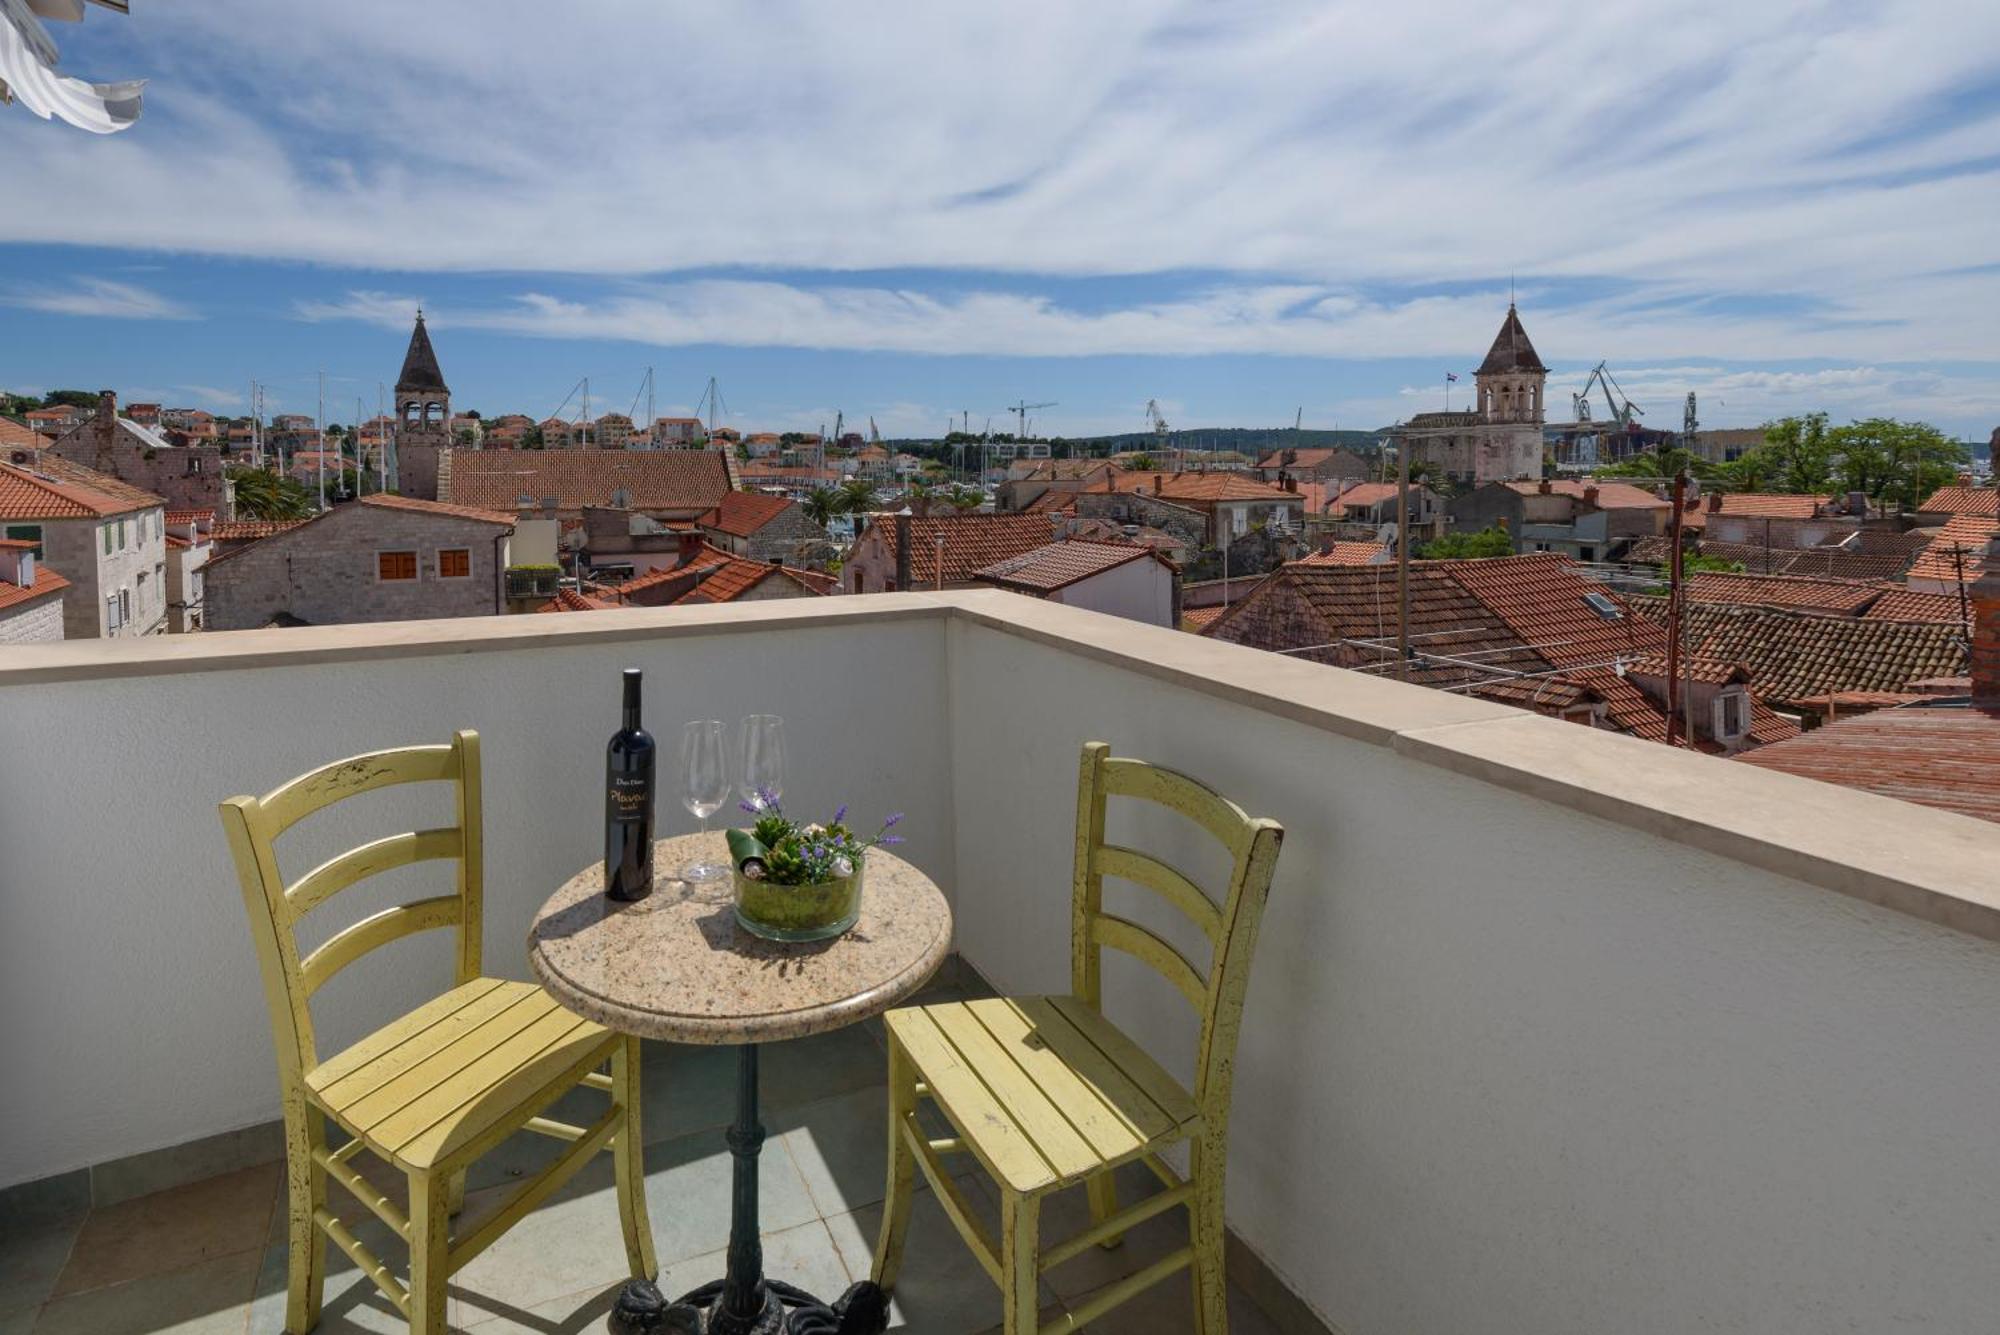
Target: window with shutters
{"points": [[395, 566], [27, 533], [454, 563]]}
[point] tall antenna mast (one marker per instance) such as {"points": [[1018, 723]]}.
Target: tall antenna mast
{"points": [[320, 454], [381, 442]]}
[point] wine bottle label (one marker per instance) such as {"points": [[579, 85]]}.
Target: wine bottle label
{"points": [[631, 797]]}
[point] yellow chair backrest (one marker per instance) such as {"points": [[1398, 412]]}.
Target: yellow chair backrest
{"points": [[1216, 992], [254, 824]]}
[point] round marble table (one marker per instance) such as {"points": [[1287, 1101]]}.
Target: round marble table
{"points": [[677, 966]]}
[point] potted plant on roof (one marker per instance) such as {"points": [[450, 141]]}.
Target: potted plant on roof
{"points": [[799, 882]]}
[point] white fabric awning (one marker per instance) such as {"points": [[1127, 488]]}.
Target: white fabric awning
{"points": [[28, 75]]}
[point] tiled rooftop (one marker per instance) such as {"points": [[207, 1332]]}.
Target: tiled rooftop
{"points": [[1846, 597], [742, 513], [39, 494], [1349, 554], [1792, 654], [1061, 564], [1941, 756], [693, 480], [1960, 500], [46, 582], [1957, 550], [970, 542]]}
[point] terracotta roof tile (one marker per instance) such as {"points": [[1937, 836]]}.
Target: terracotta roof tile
{"points": [[1610, 495], [1940, 756], [1846, 597], [46, 582], [13, 435], [743, 513], [1958, 546], [443, 509], [249, 530], [1774, 505], [33, 494], [1909, 605], [1957, 500], [1883, 562], [1349, 554], [1061, 564], [1793, 655], [970, 542], [692, 480], [1199, 619]]}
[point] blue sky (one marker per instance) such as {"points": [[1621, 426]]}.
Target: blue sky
{"points": [[911, 210]]}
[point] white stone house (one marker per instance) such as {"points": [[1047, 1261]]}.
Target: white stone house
{"points": [[108, 539]]}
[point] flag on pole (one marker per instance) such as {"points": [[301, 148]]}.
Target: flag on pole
{"points": [[1451, 377]]}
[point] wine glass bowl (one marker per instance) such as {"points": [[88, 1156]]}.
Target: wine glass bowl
{"points": [[704, 772], [761, 759]]}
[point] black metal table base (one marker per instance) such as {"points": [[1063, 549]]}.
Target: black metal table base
{"points": [[744, 1302], [780, 1309]]}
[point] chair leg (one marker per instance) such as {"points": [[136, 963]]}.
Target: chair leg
{"points": [[902, 1170], [1211, 1294], [1103, 1190], [305, 1192], [628, 1155], [1020, 1272], [430, 1245]]}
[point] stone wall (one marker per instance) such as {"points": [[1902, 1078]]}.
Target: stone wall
{"points": [[187, 477], [1131, 507], [74, 549], [792, 539], [326, 572], [40, 622]]}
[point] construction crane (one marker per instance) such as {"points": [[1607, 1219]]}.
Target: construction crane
{"points": [[1622, 410], [1158, 422], [1020, 411], [1690, 428]]}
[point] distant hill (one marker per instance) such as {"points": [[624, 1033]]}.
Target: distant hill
{"points": [[1249, 440]]}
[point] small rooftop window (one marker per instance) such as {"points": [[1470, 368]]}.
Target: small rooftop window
{"points": [[1604, 606]]}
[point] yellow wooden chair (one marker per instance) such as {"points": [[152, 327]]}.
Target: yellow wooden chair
{"points": [[434, 1090], [1044, 1092]]}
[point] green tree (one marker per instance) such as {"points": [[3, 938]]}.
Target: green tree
{"points": [[965, 499], [1140, 463], [857, 496], [1692, 563], [262, 495], [75, 398], [1799, 453], [1452, 546], [1895, 461]]}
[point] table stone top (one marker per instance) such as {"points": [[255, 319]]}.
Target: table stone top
{"points": [[677, 966]]}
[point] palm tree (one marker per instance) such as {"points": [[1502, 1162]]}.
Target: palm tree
{"points": [[262, 495], [822, 504], [857, 496]]}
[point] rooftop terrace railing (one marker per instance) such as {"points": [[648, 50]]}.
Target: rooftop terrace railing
{"points": [[1549, 1029]]}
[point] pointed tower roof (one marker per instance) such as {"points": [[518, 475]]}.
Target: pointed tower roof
{"points": [[420, 364], [1511, 349]]}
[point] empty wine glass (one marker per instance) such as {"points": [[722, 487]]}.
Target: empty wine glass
{"points": [[761, 759], [704, 788]]}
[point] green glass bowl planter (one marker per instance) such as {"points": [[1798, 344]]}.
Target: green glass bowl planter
{"points": [[798, 912]]}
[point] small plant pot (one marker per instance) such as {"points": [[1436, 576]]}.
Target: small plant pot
{"points": [[798, 912]]}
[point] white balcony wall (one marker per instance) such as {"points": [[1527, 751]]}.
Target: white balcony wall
{"points": [[1549, 1030], [134, 1017], [1505, 1066]]}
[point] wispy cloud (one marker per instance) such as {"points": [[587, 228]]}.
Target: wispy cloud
{"points": [[99, 297], [1270, 319]]}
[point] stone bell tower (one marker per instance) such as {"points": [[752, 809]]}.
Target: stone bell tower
{"points": [[423, 417], [1511, 379]]}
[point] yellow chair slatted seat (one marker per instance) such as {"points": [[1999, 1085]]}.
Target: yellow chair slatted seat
{"points": [[432, 1091], [1045, 1092]]}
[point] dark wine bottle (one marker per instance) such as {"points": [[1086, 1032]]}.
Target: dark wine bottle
{"points": [[628, 803]]}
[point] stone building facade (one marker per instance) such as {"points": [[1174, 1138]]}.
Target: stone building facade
{"points": [[187, 477], [423, 417], [31, 596], [381, 558], [1501, 439]]}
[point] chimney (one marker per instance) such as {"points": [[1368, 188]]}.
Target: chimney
{"points": [[1984, 597], [1291, 484], [17, 564], [1159, 480], [1715, 502], [107, 404], [1857, 504], [1544, 487], [903, 550], [1590, 494], [687, 546]]}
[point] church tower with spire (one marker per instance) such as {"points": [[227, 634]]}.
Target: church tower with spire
{"points": [[1500, 440], [423, 417], [1511, 379]]}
